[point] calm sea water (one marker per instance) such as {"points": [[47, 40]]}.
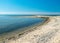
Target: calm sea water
{"points": [[12, 23]]}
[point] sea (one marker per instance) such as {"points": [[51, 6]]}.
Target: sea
{"points": [[11, 23]]}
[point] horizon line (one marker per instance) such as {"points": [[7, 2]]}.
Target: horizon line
{"points": [[29, 13]]}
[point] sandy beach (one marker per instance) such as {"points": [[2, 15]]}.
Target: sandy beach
{"points": [[49, 32]]}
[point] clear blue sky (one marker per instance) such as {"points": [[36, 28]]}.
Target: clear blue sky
{"points": [[29, 5]]}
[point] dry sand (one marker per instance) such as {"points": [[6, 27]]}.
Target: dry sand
{"points": [[47, 33]]}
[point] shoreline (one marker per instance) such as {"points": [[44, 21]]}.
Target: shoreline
{"points": [[24, 32]]}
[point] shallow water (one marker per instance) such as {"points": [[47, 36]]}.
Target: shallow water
{"points": [[12, 23]]}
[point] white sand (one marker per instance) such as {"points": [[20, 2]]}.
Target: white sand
{"points": [[47, 33]]}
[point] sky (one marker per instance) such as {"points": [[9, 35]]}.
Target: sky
{"points": [[8, 6]]}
